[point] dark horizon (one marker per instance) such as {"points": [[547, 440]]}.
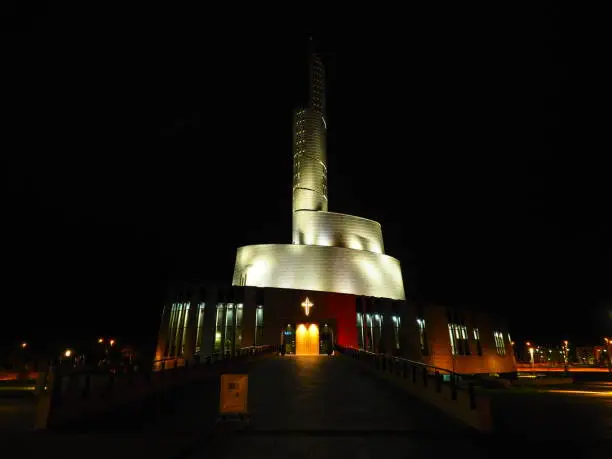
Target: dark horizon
{"points": [[150, 151]]}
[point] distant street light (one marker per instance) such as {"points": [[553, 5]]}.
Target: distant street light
{"points": [[67, 353], [107, 342], [24, 345], [609, 352], [565, 356]]}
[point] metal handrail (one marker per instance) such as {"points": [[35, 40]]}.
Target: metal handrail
{"points": [[389, 363], [426, 365], [411, 362], [214, 354]]}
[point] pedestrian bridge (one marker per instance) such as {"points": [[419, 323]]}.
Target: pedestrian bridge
{"points": [[344, 405], [296, 404]]}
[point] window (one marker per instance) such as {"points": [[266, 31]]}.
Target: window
{"points": [[177, 329], [218, 327], [259, 326], [477, 340], [499, 343], [458, 339], [360, 339], [229, 327], [422, 336], [376, 331], [200, 329], [368, 333], [238, 332], [181, 329], [171, 330], [396, 329]]}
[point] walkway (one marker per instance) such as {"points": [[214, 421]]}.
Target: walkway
{"points": [[320, 406]]}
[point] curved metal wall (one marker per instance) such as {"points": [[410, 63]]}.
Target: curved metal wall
{"points": [[309, 161], [327, 269], [337, 230]]}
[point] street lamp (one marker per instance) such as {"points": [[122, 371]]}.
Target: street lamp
{"points": [[24, 345], [68, 353], [609, 352]]}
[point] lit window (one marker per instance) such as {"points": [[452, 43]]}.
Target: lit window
{"points": [[200, 329], [259, 326], [360, 333], [458, 339], [219, 329], [177, 329], [422, 336], [229, 326], [396, 330], [368, 334], [499, 343], [477, 340], [376, 331], [181, 331]]}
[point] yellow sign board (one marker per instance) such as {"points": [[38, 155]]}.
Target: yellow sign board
{"points": [[234, 391]]}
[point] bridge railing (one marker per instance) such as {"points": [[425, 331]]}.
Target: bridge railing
{"points": [[169, 363], [415, 373], [65, 394]]}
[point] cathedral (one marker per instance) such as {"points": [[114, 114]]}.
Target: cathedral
{"points": [[332, 285]]}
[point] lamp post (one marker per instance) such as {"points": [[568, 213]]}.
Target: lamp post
{"points": [[527, 345], [532, 361], [107, 342], [609, 352]]}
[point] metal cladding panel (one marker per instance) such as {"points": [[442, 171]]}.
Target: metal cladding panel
{"points": [[309, 161], [337, 230], [319, 268]]}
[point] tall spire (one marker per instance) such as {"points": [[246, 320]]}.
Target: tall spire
{"points": [[316, 78], [309, 143], [316, 96]]}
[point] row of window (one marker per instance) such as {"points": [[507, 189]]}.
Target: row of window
{"points": [[368, 336], [228, 327], [460, 344], [177, 329]]}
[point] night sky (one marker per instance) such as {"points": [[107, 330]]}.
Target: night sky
{"points": [[144, 148]]}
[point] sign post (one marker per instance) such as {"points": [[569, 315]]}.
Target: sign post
{"points": [[233, 400]]}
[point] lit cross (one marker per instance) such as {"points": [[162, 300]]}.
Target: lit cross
{"points": [[307, 305]]}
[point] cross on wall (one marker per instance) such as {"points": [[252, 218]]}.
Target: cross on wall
{"points": [[306, 304]]}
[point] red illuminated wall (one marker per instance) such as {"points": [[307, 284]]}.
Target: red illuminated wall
{"points": [[342, 308], [283, 306]]}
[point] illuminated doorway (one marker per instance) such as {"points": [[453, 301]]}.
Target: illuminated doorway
{"points": [[307, 339]]}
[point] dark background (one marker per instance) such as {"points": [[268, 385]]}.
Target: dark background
{"points": [[146, 146]]}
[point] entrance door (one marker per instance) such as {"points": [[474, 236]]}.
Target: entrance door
{"points": [[307, 339]]}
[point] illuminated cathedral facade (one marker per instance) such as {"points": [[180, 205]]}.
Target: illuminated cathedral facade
{"points": [[333, 285]]}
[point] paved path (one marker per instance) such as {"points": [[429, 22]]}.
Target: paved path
{"points": [[571, 420], [17, 413], [320, 406]]}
